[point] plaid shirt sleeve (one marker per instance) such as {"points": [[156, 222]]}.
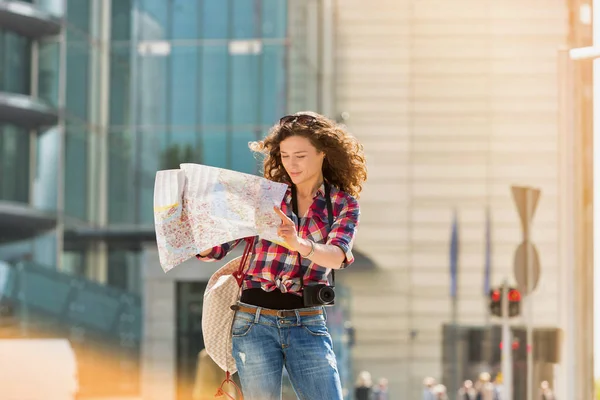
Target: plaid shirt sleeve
{"points": [[344, 227], [218, 252]]}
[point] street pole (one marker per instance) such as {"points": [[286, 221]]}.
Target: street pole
{"points": [[529, 319], [507, 364], [454, 384]]}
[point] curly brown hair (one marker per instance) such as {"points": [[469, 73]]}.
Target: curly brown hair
{"points": [[344, 165]]}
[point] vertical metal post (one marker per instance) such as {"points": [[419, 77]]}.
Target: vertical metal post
{"points": [[529, 319], [507, 364], [565, 380], [453, 386]]}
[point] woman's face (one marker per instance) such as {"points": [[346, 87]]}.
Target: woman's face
{"points": [[301, 160]]}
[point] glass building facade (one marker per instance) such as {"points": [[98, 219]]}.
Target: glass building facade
{"points": [[190, 81], [97, 95], [138, 86]]}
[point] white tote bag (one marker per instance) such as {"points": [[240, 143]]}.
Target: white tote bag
{"points": [[222, 292]]}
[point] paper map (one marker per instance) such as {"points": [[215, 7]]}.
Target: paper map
{"points": [[198, 207]]}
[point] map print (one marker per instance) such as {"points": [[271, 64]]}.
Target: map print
{"points": [[198, 207]]}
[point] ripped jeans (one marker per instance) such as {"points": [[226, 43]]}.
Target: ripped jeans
{"points": [[264, 344]]}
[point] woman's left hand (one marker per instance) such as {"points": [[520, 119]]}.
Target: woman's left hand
{"points": [[287, 230]]}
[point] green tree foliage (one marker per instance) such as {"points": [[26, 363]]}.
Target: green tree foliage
{"points": [[177, 154]]}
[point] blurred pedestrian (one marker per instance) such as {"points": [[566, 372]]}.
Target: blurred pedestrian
{"points": [[380, 392], [428, 386], [545, 392], [498, 387], [484, 388], [364, 386], [440, 392], [466, 392]]}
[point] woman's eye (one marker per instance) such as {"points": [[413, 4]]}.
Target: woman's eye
{"points": [[285, 156], [301, 156]]}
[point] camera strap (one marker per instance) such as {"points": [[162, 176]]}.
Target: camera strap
{"points": [[329, 216]]}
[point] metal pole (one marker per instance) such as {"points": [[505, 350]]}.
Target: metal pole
{"points": [[529, 319], [565, 381], [507, 365], [453, 386]]}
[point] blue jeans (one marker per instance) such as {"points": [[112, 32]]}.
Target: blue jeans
{"points": [[264, 344]]}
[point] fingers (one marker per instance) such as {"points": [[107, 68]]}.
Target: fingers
{"points": [[285, 220], [286, 231]]}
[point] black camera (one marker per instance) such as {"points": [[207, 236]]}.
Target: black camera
{"points": [[318, 295]]}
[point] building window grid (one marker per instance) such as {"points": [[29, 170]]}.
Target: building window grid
{"points": [[165, 132]]}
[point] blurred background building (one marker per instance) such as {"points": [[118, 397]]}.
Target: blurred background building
{"points": [[454, 102]]}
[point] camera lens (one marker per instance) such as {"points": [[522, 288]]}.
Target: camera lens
{"points": [[326, 295]]}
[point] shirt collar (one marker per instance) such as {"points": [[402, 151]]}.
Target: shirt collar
{"points": [[320, 193]]}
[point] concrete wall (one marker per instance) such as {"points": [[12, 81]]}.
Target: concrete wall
{"points": [[454, 102]]}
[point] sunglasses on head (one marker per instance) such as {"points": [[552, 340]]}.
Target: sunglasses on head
{"points": [[303, 119]]}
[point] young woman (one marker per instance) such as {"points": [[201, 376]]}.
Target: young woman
{"points": [[280, 320]]}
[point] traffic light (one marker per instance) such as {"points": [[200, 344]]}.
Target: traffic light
{"points": [[514, 302], [496, 302]]}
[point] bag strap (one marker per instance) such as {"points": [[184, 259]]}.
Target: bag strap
{"points": [[329, 214], [221, 392], [240, 274]]}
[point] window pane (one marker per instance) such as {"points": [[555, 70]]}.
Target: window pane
{"points": [[152, 19], [149, 148], [215, 19], [134, 159], [150, 79], [273, 84], [77, 89], [45, 181], [121, 190], [245, 19], [15, 56], [274, 19], [78, 14], [184, 86], [121, 20], [124, 269], [54, 7], [185, 19], [245, 83], [120, 86], [44, 250], [14, 164], [76, 169], [214, 147], [242, 159], [214, 86], [49, 63], [73, 262]]}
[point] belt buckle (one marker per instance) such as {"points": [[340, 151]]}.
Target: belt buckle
{"points": [[280, 313]]}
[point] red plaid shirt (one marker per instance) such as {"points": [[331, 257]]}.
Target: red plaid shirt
{"points": [[274, 266]]}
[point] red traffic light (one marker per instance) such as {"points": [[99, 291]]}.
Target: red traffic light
{"points": [[496, 296], [514, 295], [515, 345]]}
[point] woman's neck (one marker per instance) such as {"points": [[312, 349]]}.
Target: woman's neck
{"points": [[309, 188]]}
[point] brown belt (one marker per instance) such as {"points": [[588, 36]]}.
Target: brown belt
{"points": [[277, 313]]}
